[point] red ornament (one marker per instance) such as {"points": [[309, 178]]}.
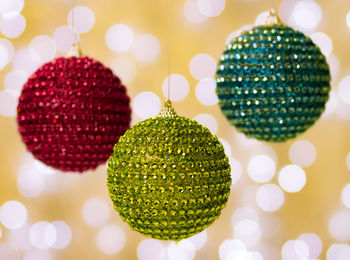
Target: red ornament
{"points": [[71, 112]]}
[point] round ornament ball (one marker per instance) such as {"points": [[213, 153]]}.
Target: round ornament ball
{"points": [[71, 112], [169, 177], [272, 82]]}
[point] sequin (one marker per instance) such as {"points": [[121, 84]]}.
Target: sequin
{"points": [[176, 190], [279, 90], [71, 112]]}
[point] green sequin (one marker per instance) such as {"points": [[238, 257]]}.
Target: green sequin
{"points": [[272, 83], [169, 177]]}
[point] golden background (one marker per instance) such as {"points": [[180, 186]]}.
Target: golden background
{"points": [[307, 211]]}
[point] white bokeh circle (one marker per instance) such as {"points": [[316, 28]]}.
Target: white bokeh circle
{"points": [[146, 104], [292, 178], [146, 48], [84, 19], [270, 197], [205, 91], [179, 87], [119, 37]]}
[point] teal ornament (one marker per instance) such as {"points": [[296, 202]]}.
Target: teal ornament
{"points": [[272, 82], [169, 177]]}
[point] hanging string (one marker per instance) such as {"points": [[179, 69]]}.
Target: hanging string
{"points": [[168, 39], [75, 50]]}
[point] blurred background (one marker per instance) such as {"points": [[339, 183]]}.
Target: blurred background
{"points": [[288, 201]]}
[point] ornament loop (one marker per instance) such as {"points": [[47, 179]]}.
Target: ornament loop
{"points": [[75, 51], [167, 110], [273, 18]]}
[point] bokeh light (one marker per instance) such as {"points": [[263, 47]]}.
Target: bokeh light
{"points": [[236, 170], [313, 242], [42, 234], [192, 12], [63, 234], [302, 153], [227, 147], [229, 246], [81, 19], [95, 212], [15, 80], [150, 249], [124, 68], [146, 104], [37, 254], [11, 6], [19, 238], [30, 182], [334, 66], [295, 249], [306, 15], [248, 231], [7, 52], [179, 87], [261, 18], [211, 8], [8, 102], [64, 38], [323, 41], [344, 254], [202, 66], [24, 61], [270, 197], [199, 240], [292, 178], [339, 225], [13, 214], [348, 19], [208, 121], [119, 37], [146, 47], [183, 250], [205, 91], [8, 252], [42, 48], [244, 213], [344, 90], [111, 239], [335, 250], [12, 24], [346, 195], [261, 168]]}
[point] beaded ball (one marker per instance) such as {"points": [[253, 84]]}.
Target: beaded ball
{"points": [[71, 112], [272, 82], [169, 177]]}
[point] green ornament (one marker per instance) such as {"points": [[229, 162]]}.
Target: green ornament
{"points": [[272, 82], [169, 177]]}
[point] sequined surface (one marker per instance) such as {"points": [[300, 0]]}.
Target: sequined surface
{"points": [[272, 83], [71, 113], [169, 177]]}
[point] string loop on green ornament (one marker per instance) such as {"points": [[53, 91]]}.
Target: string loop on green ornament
{"points": [[168, 110], [168, 36]]}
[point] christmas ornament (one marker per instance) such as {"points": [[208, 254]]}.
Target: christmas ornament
{"points": [[272, 82], [71, 112], [169, 177]]}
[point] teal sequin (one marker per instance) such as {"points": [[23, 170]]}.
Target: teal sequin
{"points": [[272, 83]]}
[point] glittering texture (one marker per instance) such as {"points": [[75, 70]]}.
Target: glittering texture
{"points": [[272, 83], [71, 113], [169, 177]]}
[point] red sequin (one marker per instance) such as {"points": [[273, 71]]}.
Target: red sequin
{"points": [[71, 113]]}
